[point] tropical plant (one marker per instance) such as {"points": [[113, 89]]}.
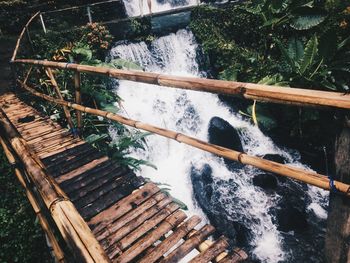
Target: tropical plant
{"points": [[298, 14]]}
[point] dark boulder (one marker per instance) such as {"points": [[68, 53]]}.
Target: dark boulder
{"points": [[208, 198], [291, 219], [223, 134], [265, 181]]}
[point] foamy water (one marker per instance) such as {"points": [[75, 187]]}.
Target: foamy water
{"points": [[189, 112]]}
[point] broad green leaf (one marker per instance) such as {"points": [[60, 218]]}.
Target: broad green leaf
{"points": [[309, 54], [295, 49], [306, 18], [286, 55], [84, 53]]}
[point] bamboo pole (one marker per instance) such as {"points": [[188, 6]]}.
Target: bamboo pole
{"points": [[72, 226], [59, 254], [77, 86], [266, 165], [283, 95], [21, 36], [59, 95]]}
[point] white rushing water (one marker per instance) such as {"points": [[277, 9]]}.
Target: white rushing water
{"points": [[189, 112], [140, 7]]}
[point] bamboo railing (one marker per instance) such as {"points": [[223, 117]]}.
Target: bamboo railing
{"points": [[57, 250], [71, 225], [283, 95], [25, 29], [301, 175]]}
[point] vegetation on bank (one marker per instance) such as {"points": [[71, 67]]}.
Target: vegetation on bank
{"points": [[21, 237], [302, 44]]}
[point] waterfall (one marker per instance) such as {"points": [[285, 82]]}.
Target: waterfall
{"points": [[140, 7], [189, 112]]}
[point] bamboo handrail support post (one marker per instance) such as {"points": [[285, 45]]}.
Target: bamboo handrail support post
{"points": [[59, 95], [77, 86]]}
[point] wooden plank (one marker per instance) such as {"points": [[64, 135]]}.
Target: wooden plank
{"points": [[158, 212], [98, 183], [46, 147], [81, 169], [55, 159], [87, 177], [55, 134], [131, 215], [75, 163], [146, 226], [152, 236], [157, 252], [190, 244], [59, 149], [104, 190], [237, 255], [91, 196], [214, 250], [109, 199], [106, 217]]}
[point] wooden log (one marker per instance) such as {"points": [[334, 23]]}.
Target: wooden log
{"points": [[164, 227], [137, 227], [190, 244], [125, 205], [282, 95], [266, 165], [77, 84], [237, 255], [58, 252], [179, 233], [59, 149], [59, 95], [214, 250], [128, 217], [72, 227], [81, 169]]}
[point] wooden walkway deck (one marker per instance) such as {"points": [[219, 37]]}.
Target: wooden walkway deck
{"points": [[132, 220]]}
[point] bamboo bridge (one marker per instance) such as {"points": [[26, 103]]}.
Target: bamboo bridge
{"points": [[95, 210]]}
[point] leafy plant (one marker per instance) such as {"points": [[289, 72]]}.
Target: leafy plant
{"points": [[300, 15]]}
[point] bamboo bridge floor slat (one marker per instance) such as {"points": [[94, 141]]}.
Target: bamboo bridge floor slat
{"points": [[133, 220]]}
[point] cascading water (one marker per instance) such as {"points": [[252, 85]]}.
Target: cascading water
{"points": [[189, 112], [140, 7]]}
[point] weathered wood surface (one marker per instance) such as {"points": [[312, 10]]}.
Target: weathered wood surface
{"points": [[131, 220]]}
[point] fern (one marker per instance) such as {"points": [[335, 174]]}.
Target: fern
{"points": [[309, 54]]}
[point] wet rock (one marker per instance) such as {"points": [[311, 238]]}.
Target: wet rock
{"points": [[223, 134], [265, 181], [291, 219], [208, 198]]}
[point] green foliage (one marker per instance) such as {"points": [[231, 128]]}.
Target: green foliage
{"points": [[21, 237], [119, 149]]}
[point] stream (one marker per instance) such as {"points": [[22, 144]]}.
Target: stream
{"points": [[274, 219]]}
